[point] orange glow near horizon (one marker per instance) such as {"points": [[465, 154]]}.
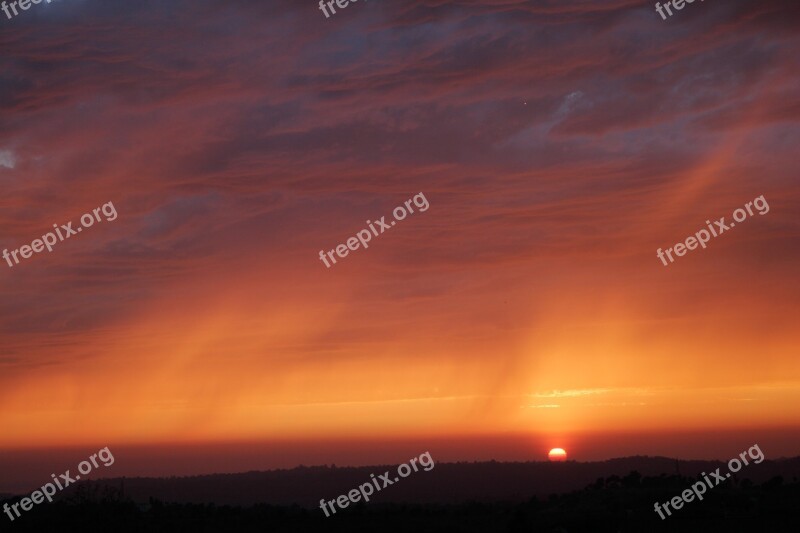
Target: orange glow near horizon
{"points": [[234, 367]]}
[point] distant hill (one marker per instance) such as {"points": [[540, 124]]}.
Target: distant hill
{"points": [[446, 483], [495, 497]]}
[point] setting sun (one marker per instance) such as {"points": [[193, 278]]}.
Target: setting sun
{"points": [[557, 454]]}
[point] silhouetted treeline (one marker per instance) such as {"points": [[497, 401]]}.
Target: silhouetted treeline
{"points": [[610, 504], [487, 482]]}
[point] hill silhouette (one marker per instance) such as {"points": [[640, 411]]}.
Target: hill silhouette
{"points": [[457, 497], [446, 483]]}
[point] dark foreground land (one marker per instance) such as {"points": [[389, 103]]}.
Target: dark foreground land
{"points": [[610, 504]]}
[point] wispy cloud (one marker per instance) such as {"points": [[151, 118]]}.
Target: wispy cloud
{"points": [[562, 143], [7, 159], [571, 393]]}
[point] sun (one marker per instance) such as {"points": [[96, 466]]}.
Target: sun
{"points": [[557, 455]]}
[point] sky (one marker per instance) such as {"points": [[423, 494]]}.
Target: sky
{"points": [[559, 145]]}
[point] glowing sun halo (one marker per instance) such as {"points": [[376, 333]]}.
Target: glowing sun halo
{"points": [[557, 454]]}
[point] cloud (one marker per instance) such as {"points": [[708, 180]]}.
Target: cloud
{"points": [[559, 144], [572, 393], [7, 159]]}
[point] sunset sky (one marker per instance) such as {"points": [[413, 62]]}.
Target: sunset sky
{"points": [[559, 144]]}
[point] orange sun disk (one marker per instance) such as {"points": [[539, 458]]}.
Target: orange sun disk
{"points": [[557, 454]]}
